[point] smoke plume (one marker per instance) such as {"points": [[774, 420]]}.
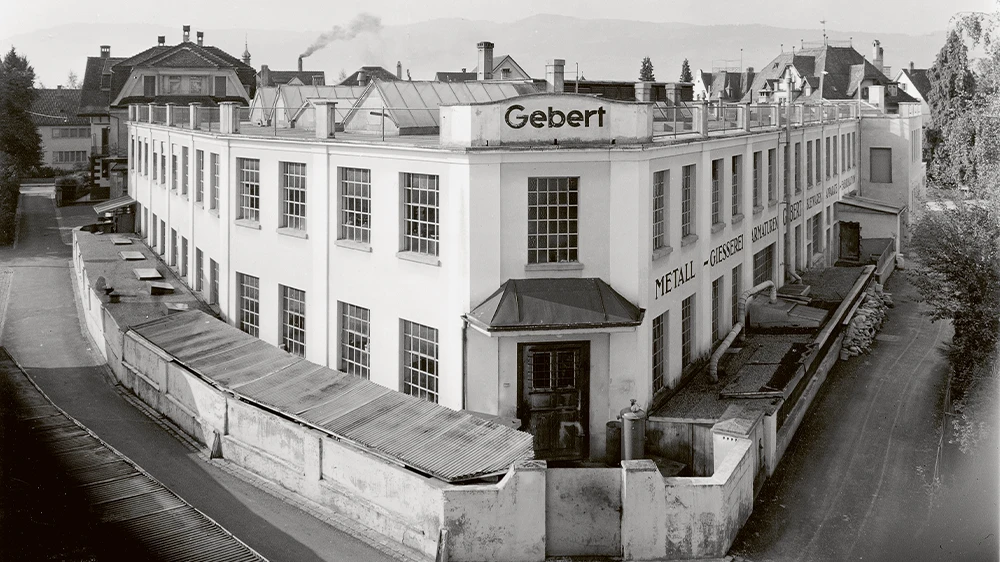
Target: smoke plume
{"points": [[362, 23]]}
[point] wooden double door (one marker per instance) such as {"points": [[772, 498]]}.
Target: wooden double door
{"points": [[553, 403]]}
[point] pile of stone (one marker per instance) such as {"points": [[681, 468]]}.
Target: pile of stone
{"points": [[867, 321]]}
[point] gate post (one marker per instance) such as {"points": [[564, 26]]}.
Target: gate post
{"points": [[644, 511]]}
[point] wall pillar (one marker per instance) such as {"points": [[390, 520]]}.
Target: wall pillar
{"points": [[149, 118], [168, 120], [326, 118], [644, 91], [194, 115], [745, 116], [644, 511], [229, 118]]}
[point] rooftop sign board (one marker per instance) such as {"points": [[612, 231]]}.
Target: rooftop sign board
{"points": [[547, 119]]}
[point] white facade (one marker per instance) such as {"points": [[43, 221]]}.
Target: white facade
{"points": [[483, 176]]}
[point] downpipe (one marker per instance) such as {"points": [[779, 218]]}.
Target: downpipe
{"points": [[713, 365]]}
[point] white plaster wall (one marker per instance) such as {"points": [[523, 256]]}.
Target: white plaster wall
{"points": [[584, 511]]}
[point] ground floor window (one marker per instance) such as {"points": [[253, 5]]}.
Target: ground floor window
{"points": [[716, 308], [293, 320], [354, 334], [213, 282], [687, 331], [659, 351], [420, 361], [173, 247], [737, 284], [199, 270], [184, 256], [248, 288], [763, 265]]}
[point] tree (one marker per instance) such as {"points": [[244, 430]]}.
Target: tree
{"points": [[646, 70], [686, 72], [951, 96], [72, 81], [342, 76], [19, 138]]}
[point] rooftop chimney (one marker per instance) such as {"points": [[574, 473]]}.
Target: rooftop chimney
{"points": [[362, 78], [554, 75], [399, 70], [300, 64], [201, 38], [161, 40], [187, 33], [911, 66], [877, 55], [265, 75], [106, 51], [485, 61]]}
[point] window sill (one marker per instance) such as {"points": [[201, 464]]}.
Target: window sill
{"points": [[557, 266], [688, 240], [293, 232], [418, 258], [662, 252], [717, 227], [758, 210], [214, 212], [772, 203], [354, 245], [737, 218], [247, 223]]}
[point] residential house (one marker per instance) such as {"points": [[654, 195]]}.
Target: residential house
{"points": [[490, 67], [917, 83], [722, 85], [65, 135], [366, 74], [95, 101], [269, 78]]}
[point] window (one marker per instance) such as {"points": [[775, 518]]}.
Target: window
{"points": [[659, 351], [214, 189], [249, 303], [687, 331], [687, 200], [355, 205], [737, 282], [798, 168], [833, 164], [661, 194], [854, 149], [716, 308], [148, 86], [173, 168], [131, 153], [163, 238], [763, 265], [817, 233], [152, 231], [199, 181], [827, 161], [787, 171], [173, 247], [819, 165], [213, 281], [716, 191], [249, 189], [163, 165], [354, 334], [293, 195], [772, 188], [220, 87], [293, 320], [552, 220], [173, 84], [420, 361], [756, 180], [185, 170], [199, 270], [196, 85], [184, 256], [809, 163], [69, 156], [70, 132], [145, 161], [737, 191], [881, 165], [420, 214], [843, 153]]}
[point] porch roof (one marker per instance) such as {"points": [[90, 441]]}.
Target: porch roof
{"points": [[554, 304]]}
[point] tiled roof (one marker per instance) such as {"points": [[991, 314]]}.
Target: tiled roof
{"points": [[373, 72], [57, 107], [93, 100], [921, 81], [455, 76], [281, 77]]}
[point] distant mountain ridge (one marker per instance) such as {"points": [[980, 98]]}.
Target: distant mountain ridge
{"points": [[605, 49]]}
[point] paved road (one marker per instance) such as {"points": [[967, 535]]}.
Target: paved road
{"points": [[41, 331], [857, 482]]}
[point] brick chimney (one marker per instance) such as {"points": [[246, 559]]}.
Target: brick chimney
{"points": [[265, 75], [554, 76], [300, 64], [877, 55], [106, 51], [161, 40], [911, 66], [187, 33], [399, 70], [201, 38], [485, 61], [362, 78]]}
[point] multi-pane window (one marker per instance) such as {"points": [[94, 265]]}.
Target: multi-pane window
{"points": [[155, 166], [420, 213], [736, 284], [854, 149], [355, 329], [756, 180], [772, 187], [420, 361], [163, 165], [809, 163], [173, 247], [152, 230], [163, 238], [881, 165], [661, 193], [145, 161], [826, 163], [249, 188], [355, 204], [843, 152], [763, 265], [787, 170], [798, 168], [185, 170], [199, 270], [199, 181], [69, 156], [173, 168], [716, 191], [552, 220], [248, 291], [716, 308], [737, 191], [293, 320], [819, 164], [833, 162], [687, 331], [293, 195], [214, 188], [213, 281], [131, 153], [687, 200], [659, 351], [184, 256], [817, 233]]}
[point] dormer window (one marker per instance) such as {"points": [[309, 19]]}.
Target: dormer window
{"points": [[864, 92], [105, 81], [892, 89], [505, 74]]}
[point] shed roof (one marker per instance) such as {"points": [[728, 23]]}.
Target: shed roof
{"points": [[871, 205], [449, 445], [372, 72], [553, 304]]}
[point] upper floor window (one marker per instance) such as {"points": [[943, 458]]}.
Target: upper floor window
{"points": [[687, 200], [772, 188], [249, 192], [552, 220], [756, 180], [173, 84], [293, 195], [717, 191], [420, 213], [220, 86], [355, 204], [214, 189], [881, 165], [149, 86], [737, 188], [196, 85], [661, 191]]}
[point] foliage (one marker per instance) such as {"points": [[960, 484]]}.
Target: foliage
{"points": [[646, 70], [72, 81], [9, 193], [686, 72], [342, 76], [19, 138]]}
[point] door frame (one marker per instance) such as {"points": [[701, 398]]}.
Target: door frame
{"points": [[583, 386]]}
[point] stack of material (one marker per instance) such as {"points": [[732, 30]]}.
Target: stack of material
{"points": [[867, 321]]}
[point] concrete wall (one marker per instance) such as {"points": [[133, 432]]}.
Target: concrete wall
{"points": [[585, 506], [686, 441]]}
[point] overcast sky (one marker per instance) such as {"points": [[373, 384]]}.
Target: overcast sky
{"points": [[902, 16]]}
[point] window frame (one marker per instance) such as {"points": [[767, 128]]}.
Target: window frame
{"points": [[421, 224], [294, 179], [248, 194], [293, 319], [355, 340], [553, 240], [422, 343], [688, 175], [355, 205], [661, 194], [248, 303]]}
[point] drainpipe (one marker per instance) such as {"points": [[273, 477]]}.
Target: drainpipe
{"points": [[713, 365], [465, 362], [747, 295]]}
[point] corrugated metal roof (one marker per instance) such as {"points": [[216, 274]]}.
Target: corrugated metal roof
{"points": [[449, 445], [132, 509], [113, 204]]}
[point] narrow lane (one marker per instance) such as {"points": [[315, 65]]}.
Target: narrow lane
{"points": [[41, 330], [857, 481]]}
